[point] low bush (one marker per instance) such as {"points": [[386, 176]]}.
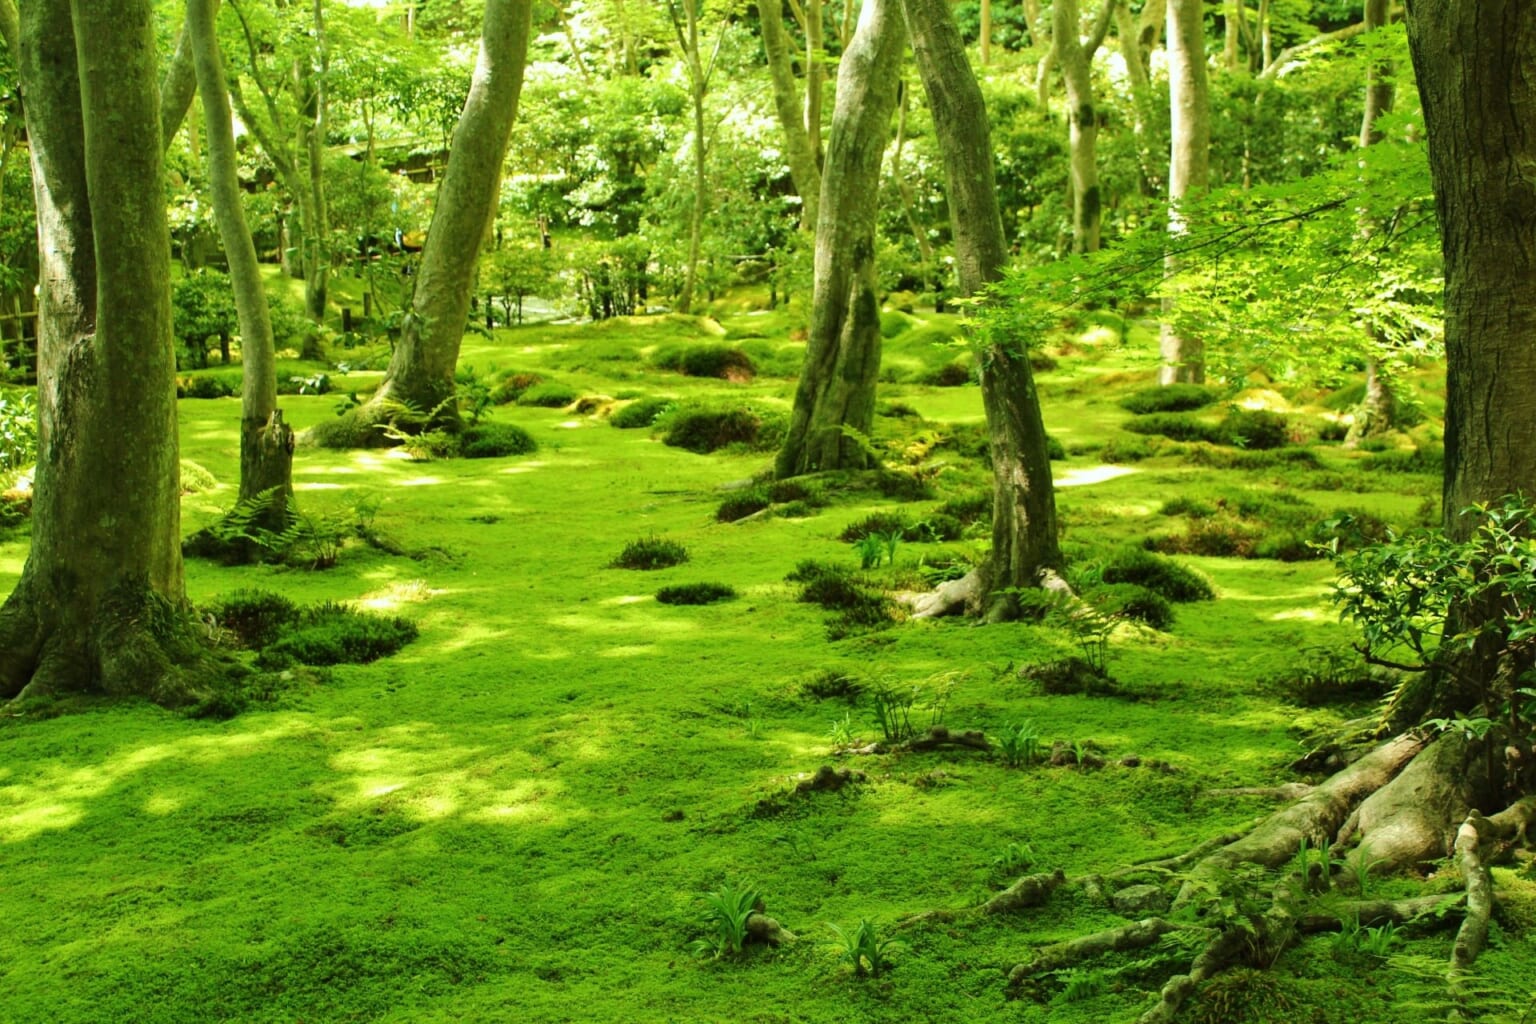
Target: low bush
{"points": [[883, 523], [1162, 576], [1256, 429], [702, 429], [1171, 398], [650, 553], [695, 593], [741, 504], [797, 490], [950, 375], [639, 413], [1429, 459], [495, 440], [195, 479], [1178, 426], [1191, 507], [337, 634], [1221, 536], [1129, 601], [722, 362], [1132, 449], [255, 617], [837, 589], [897, 411], [207, 386], [549, 394]]}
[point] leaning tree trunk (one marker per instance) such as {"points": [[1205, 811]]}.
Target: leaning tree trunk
{"points": [[1183, 355], [842, 357], [799, 151], [266, 442], [1024, 501], [102, 593], [421, 369]]}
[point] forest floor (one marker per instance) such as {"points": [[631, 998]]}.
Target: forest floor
{"points": [[515, 817]]}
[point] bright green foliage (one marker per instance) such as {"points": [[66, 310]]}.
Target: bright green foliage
{"points": [[865, 949], [203, 305], [1019, 744], [640, 413], [1173, 398], [18, 431], [726, 911]]}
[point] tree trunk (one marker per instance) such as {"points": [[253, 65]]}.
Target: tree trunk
{"points": [[842, 359], [1076, 58], [1024, 501], [1473, 66], [804, 168], [311, 89], [101, 602], [421, 370], [266, 442], [1183, 356]]}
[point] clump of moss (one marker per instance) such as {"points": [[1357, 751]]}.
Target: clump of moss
{"points": [[650, 553], [1172, 398], [741, 504], [1137, 603], [495, 440], [330, 633], [1160, 575], [512, 387], [255, 617], [722, 362], [695, 593], [640, 413], [549, 394], [705, 429]]}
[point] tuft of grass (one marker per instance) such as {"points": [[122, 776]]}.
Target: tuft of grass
{"points": [[650, 553], [695, 593]]}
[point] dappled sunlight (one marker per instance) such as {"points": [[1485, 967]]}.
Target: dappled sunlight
{"points": [[1092, 475], [394, 595], [626, 624], [312, 486], [1305, 614], [629, 599], [423, 481], [629, 651]]}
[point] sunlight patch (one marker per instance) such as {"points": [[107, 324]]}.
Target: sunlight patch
{"points": [[1093, 475], [570, 424], [160, 805], [37, 820], [395, 594], [419, 481], [1305, 614], [318, 487], [628, 599], [628, 651]]}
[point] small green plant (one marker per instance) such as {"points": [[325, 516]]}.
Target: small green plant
{"points": [[726, 911], [1015, 859], [865, 949], [1089, 628], [1346, 940], [1361, 868], [842, 731], [642, 412], [474, 394], [869, 548], [491, 440], [1019, 745], [650, 553], [888, 544], [1379, 941], [1082, 985], [893, 707]]}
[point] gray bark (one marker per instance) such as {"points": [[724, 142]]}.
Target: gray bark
{"points": [[837, 383], [1076, 58], [1183, 356], [1024, 501], [100, 597], [266, 442], [804, 169], [421, 370]]}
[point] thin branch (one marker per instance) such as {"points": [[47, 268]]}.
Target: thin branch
{"points": [[1100, 29], [1290, 53]]}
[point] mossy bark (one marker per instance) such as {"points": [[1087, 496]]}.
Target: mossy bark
{"points": [[1024, 500], [421, 370], [100, 605], [799, 151], [842, 359], [1183, 354]]}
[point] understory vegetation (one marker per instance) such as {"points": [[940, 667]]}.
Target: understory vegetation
{"points": [[563, 726]]}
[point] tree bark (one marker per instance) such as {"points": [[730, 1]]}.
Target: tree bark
{"points": [[1183, 356], [1024, 501], [804, 169], [266, 442], [1076, 58], [1473, 66], [421, 370], [842, 359], [101, 600]]}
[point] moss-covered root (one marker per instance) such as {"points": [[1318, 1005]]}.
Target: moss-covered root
{"points": [[1136, 935], [762, 928], [361, 427], [137, 644], [1476, 835]]}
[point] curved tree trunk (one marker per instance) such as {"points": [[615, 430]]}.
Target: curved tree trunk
{"points": [[100, 599], [842, 358], [266, 442], [1188, 172], [804, 169], [421, 369], [1024, 501], [1076, 57]]}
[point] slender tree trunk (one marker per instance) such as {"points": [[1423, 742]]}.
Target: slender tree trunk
{"points": [[1076, 57], [1188, 173], [986, 32], [842, 359], [100, 599], [312, 88], [804, 166], [904, 188], [266, 442], [1473, 63], [1128, 32], [1024, 502], [816, 71], [421, 370], [1379, 410]]}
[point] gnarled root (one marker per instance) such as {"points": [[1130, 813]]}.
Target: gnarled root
{"points": [[1476, 835], [1136, 935]]}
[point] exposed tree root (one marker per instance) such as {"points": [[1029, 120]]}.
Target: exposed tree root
{"points": [[824, 779], [1287, 791], [1029, 891], [966, 595], [1475, 836], [1136, 935], [937, 738], [1412, 819]]}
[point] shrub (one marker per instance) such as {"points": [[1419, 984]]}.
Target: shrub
{"points": [[1221, 536], [337, 634], [255, 617], [892, 324], [883, 523], [639, 413], [549, 394], [195, 479], [650, 553], [1191, 507], [1256, 429], [742, 504], [695, 593], [511, 387], [897, 411], [1129, 601], [18, 430], [1178, 426], [1135, 449], [1162, 576], [722, 362], [796, 490], [703, 430], [205, 386], [1172, 398], [495, 440], [971, 507], [950, 375]]}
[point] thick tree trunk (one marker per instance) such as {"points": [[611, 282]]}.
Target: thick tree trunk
{"points": [[842, 359], [1183, 355], [1473, 66], [101, 598], [1024, 501], [266, 442], [421, 370], [804, 168]]}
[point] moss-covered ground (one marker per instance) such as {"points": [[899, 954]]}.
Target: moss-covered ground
{"points": [[514, 817]]}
